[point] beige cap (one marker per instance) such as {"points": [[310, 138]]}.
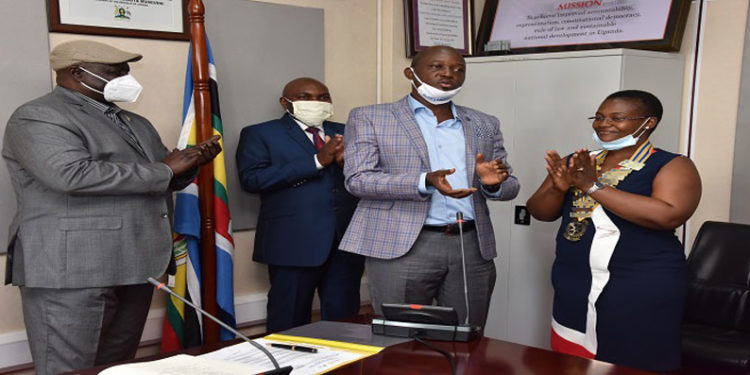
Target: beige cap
{"points": [[78, 51]]}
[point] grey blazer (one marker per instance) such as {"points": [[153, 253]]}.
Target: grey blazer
{"points": [[93, 209]]}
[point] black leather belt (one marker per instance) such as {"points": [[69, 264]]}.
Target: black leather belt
{"points": [[450, 229]]}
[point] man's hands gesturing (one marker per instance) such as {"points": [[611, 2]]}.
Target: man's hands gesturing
{"points": [[181, 161], [491, 173], [438, 180]]}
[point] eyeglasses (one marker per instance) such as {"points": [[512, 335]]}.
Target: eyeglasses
{"points": [[614, 120]]}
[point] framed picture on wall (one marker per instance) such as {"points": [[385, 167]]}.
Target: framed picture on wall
{"points": [[565, 25], [439, 22], [157, 19]]}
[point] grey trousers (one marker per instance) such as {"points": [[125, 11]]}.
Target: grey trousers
{"points": [[70, 329], [431, 271]]}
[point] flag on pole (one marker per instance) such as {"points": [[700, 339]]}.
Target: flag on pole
{"points": [[182, 326]]}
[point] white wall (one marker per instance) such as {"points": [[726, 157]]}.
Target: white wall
{"points": [[351, 55]]}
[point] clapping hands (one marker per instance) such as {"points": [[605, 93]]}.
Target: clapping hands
{"points": [[333, 150], [181, 161], [579, 170]]}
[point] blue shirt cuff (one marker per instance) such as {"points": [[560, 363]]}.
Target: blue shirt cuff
{"points": [[423, 189], [495, 194]]}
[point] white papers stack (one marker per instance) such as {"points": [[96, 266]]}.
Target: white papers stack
{"points": [[303, 363], [182, 364]]}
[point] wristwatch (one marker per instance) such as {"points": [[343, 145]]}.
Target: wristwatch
{"points": [[595, 187]]}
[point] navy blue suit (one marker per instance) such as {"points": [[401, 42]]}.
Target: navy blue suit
{"points": [[304, 213]]}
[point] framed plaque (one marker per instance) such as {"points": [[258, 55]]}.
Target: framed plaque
{"points": [[439, 22], [565, 25], [158, 19]]}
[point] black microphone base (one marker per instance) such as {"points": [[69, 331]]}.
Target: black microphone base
{"points": [[425, 331], [286, 370]]}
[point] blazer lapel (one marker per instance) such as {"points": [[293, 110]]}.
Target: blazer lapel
{"points": [[405, 117], [101, 118], [135, 127], [298, 134], [471, 142]]}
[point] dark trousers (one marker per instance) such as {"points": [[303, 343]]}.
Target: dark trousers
{"points": [[293, 288]]}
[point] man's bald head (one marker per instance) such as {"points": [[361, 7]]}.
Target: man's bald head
{"points": [[432, 51], [304, 88], [299, 86]]}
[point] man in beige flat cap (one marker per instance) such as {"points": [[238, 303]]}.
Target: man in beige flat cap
{"points": [[93, 185]]}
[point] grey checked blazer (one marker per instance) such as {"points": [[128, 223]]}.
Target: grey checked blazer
{"points": [[93, 210], [385, 154]]}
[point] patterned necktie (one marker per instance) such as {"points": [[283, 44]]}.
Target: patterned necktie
{"points": [[316, 137], [114, 114]]}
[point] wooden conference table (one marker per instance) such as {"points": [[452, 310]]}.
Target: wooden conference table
{"points": [[481, 356], [496, 357]]}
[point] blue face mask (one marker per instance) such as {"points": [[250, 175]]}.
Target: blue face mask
{"points": [[623, 142]]}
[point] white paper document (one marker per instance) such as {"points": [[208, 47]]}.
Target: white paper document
{"points": [[182, 364], [303, 363]]}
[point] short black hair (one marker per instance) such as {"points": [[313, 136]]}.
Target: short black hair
{"points": [[650, 102]]}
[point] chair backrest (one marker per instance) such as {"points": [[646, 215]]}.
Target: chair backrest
{"points": [[719, 276]]}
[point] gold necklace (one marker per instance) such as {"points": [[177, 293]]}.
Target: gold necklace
{"points": [[584, 205]]}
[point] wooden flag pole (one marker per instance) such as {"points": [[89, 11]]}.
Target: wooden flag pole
{"points": [[202, 98]]}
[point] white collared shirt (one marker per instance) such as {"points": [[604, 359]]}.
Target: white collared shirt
{"points": [[309, 135]]}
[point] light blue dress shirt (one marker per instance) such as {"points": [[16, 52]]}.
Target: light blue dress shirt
{"points": [[446, 147]]}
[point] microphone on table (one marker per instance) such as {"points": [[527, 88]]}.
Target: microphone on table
{"points": [[430, 322], [460, 221], [427, 321], [277, 369]]}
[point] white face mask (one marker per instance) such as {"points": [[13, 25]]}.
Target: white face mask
{"points": [[432, 94], [311, 112], [623, 142], [120, 89]]}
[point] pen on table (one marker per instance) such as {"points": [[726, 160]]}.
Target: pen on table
{"points": [[296, 348]]}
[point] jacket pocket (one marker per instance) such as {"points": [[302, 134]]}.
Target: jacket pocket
{"points": [[376, 204], [89, 223]]}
